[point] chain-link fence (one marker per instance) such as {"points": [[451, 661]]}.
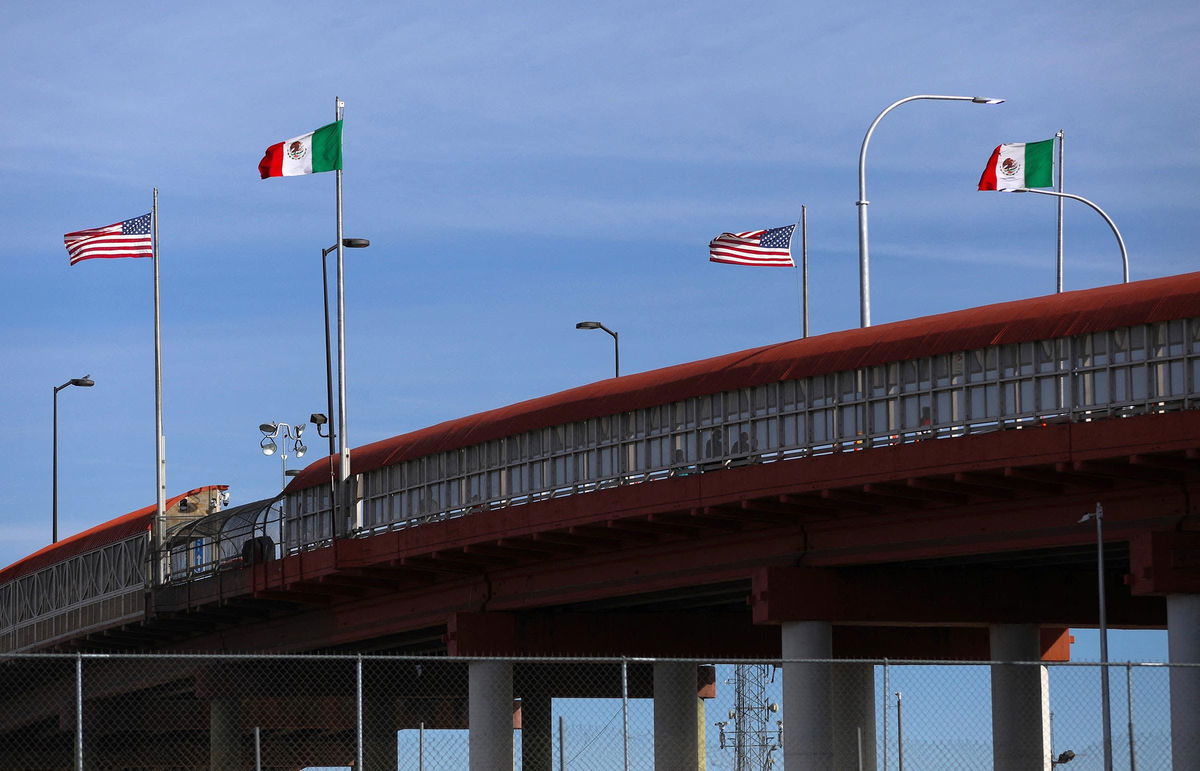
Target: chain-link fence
{"points": [[94, 711]]}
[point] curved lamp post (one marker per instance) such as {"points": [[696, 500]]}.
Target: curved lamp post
{"points": [[83, 382], [1108, 219], [864, 262], [616, 343]]}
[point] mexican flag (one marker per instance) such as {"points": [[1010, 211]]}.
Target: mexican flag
{"points": [[1022, 164], [319, 150]]}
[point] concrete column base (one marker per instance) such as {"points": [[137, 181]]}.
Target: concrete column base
{"points": [[1020, 700], [490, 716], [807, 723], [676, 734], [1183, 647]]}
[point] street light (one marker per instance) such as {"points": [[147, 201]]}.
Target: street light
{"points": [[282, 431], [349, 243], [864, 263], [616, 343], [335, 496], [1111, 225], [1105, 708], [83, 382]]}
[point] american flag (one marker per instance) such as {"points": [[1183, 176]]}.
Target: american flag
{"points": [[130, 238], [754, 247]]}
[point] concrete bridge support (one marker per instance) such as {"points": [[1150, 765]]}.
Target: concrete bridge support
{"points": [[807, 726], [379, 729], [676, 727], [853, 704], [228, 747], [490, 715], [1020, 700], [1183, 647]]}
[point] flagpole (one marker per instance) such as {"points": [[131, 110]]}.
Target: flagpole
{"points": [[802, 278], [1059, 285], [160, 461], [343, 447]]}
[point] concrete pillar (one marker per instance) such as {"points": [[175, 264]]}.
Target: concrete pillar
{"points": [[537, 733], [379, 727], [807, 727], [1020, 700], [853, 699], [676, 739], [490, 716], [228, 748], [1183, 647]]}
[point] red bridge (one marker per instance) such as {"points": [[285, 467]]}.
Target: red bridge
{"points": [[911, 490]]}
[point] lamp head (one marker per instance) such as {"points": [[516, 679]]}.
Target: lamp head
{"points": [[300, 448], [268, 446], [83, 382], [268, 428], [356, 243], [588, 325], [318, 419], [986, 100]]}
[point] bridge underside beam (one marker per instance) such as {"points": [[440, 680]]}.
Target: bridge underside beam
{"points": [[973, 596]]}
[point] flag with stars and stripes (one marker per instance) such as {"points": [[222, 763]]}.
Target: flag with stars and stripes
{"points": [[754, 247], [130, 238]]}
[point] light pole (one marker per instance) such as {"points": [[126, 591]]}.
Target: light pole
{"points": [[349, 243], [282, 431], [864, 262], [83, 382], [1105, 707], [1112, 225], [616, 343]]}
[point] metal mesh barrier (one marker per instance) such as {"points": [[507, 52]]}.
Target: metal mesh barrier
{"points": [[95, 711]]}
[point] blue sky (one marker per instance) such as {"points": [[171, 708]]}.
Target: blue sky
{"points": [[519, 168]]}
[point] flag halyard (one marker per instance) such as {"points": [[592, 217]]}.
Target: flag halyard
{"points": [[130, 238], [770, 247]]}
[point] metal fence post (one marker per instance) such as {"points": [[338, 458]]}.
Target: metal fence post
{"points": [[78, 712], [625, 712], [421, 747], [1129, 710], [358, 712], [886, 709], [257, 749]]}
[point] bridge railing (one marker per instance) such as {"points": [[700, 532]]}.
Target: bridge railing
{"points": [[1110, 374], [98, 589], [408, 712]]}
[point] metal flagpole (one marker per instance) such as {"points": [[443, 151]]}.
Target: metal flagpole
{"points": [[160, 461], [346, 498], [804, 261], [1112, 225], [1059, 284], [801, 269]]}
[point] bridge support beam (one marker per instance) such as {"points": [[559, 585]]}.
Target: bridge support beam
{"points": [[853, 700], [807, 727], [228, 749], [379, 728], [1020, 700], [490, 715], [676, 726], [1183, 647]]}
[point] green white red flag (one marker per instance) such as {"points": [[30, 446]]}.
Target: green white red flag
{"points": [[1021, 164], [314, 152]]}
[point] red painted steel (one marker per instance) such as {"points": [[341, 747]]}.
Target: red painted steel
{"points": [[1038, 318], [105, 533]]}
